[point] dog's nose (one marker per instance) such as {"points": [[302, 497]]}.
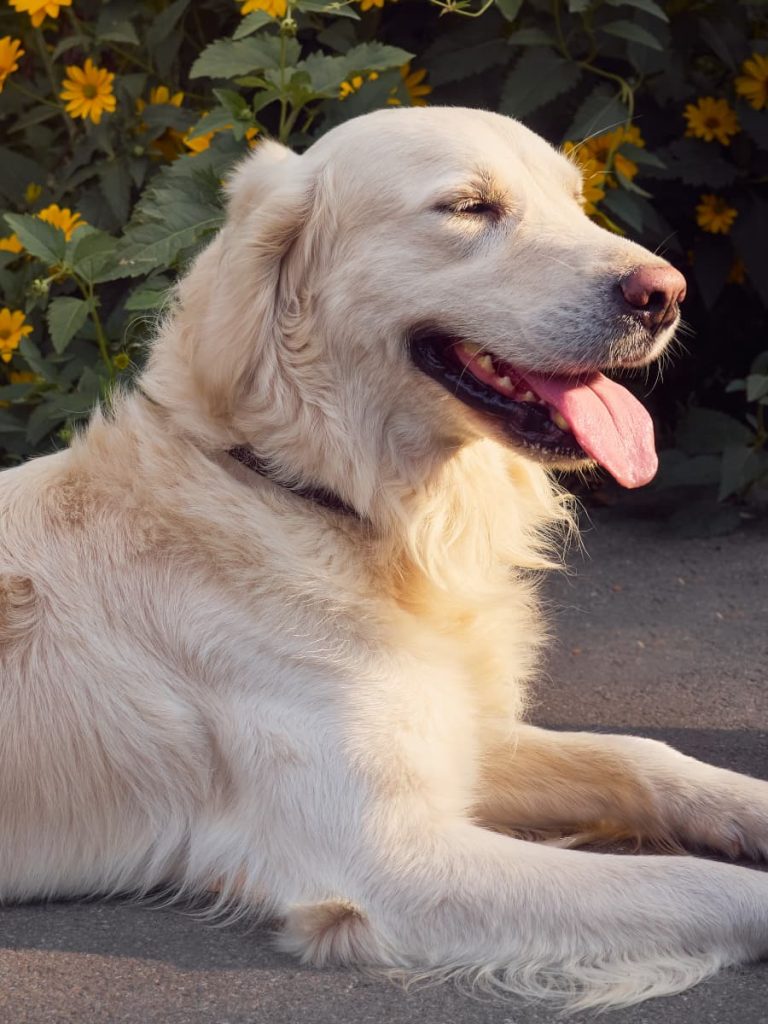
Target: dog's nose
{"points": [[653, 294]]}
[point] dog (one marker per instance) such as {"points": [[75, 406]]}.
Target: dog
{"points": [[267, 626]]}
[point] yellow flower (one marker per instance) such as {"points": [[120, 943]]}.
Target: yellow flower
{"points": [[415, 86], [710, 119], [10, 51], [202, 142], [88, 91], [160, 94], [753, 84], [366, 5], [355, 82], [37, 9], [32, 193], [274, 8], [62, 217], [592, 172], [170, 144], [11, 243], [713, 214], [12, 330], [121, 361], [23, 377], [600, 147]]}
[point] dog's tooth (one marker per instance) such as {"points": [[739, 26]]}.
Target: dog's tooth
{"points": [[527, 396], [470, 348], [485, 363], [505, 382], [559, 420]]}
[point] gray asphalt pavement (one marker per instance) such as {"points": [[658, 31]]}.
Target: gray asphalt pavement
{"points": [[658, 634]]}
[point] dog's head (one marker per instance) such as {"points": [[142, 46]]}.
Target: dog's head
{"points": [[416, 279]]}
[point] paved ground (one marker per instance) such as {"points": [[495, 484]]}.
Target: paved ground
{"points": [[660, 634]]}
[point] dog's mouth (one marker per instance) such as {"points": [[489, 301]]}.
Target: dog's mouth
{"points": [[558, 419]]}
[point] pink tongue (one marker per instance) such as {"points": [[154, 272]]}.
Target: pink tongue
{"points": [[607, 421]]}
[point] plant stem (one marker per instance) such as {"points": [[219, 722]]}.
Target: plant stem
{"points": [[86, 288], [40, 38], [33, 95], [281, 133]]}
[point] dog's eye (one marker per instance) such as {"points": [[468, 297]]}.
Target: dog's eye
{"points": [[472, 208], [477, 207]]}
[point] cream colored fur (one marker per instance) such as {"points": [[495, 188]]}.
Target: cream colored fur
{"points": [[210, 681]]}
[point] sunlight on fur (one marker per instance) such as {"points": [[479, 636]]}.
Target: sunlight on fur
{"points": [[218, 686]]}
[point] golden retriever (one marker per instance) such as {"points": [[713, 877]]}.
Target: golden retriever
{"points": [[268, 624]]}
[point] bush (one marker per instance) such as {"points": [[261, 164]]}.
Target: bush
{"points": [[121, 118]]}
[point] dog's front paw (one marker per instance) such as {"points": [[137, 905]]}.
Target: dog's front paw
{"points": [[731, 820]]}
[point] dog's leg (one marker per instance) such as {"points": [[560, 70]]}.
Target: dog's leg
{"points": [[582, 929], [604, 787]]}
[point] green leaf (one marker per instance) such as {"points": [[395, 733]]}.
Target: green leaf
{"points": [[649, 6], [373, 96], [737, 470], [338, 10], [236, 104], [251, 23], [116, 188], [73, 42], [155, 245], [16, 172], [468, 60], [14, 392], [628, 30], [642, 156], [376, 57], [159, 116], [676, 469], [695, 163], [531, 37], [93, 255], [757, 386], [599, 112], [38, 237], [538, 77], [43, 418], [35, 361], [725, 38], [166, 22], [9, 424], [509, 8], [65, 318], [629, 185], [324, 74], [578, 6], [226, 58], [630, 208], [708, 432], [214, 120], [149, 295], [111, 27]]}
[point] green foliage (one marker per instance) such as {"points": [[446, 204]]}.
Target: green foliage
{"points": [[197, 83]]}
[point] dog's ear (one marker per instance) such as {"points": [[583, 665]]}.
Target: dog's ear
{"points": [[243, 287], [256, 177]]}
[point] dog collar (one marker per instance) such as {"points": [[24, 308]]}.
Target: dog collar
{"points": [[247, 457], [319, 495]]}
